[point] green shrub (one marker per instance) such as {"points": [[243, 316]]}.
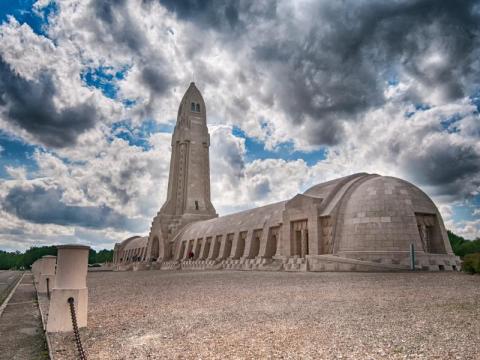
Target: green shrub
{"points": [[471, 263]]}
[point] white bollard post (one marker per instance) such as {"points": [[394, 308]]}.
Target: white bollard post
{"points": [[37, 265], [47, 274], [70, 282]]}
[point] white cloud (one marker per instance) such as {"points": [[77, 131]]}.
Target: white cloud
{"points": [[17, 173]]}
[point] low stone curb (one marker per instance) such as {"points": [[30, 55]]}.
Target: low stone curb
{"points": [[44, 325]]}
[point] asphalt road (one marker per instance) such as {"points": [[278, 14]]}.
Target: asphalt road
{"points": [[7, 281]]}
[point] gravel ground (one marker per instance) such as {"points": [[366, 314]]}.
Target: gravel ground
{"points": [[258, 315]]}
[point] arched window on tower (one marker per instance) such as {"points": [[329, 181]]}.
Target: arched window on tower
{"points": [[198, 107], [193, 107]]}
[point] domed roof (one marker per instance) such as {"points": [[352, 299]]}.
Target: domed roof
{"points": [[381, 213], [323, 190], [134, 242]]}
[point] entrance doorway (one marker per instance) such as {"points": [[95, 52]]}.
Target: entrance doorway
{"points": [[299, 238]]}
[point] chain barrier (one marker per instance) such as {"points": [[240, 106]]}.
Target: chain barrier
{"points": [[78, 341]]}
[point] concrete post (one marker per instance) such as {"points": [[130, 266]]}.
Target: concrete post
{"points": [[70, 281], [36, 270], [47, 273]]}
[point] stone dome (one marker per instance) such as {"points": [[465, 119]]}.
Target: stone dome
{"points": [[384, 214]]}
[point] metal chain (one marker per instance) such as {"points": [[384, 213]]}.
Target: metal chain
{"points": [[78, 341]]}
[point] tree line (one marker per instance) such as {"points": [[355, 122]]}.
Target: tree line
{"points": [[19, 260]]}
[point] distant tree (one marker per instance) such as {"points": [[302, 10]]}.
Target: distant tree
{"points": [[18, 260], [92, 256], [104, 256], [471, 263], [461, 246], [35, 253], [10, 260]]}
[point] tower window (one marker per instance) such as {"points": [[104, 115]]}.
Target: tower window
{"points": [[198, 107], [196, 205], [193, 106]]}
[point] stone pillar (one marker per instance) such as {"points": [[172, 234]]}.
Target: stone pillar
{"points": [[47, 274], [202, 255], [212, 247], [70, 281], [216, 241], [223, 245], [266, 233], [280, 241], [36, 267], [248, 245], [314, 234]]}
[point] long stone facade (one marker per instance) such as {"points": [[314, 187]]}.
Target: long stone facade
{"points": [[361, 222]]}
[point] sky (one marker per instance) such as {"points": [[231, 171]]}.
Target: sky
{"points": [[297, 93]]}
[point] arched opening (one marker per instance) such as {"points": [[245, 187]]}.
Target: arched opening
{"points": [[216, 247], [189, 249], [197, 107], [240, 245], [197, 249], [182, 250], [271, 248], [255, 246], [430, 234], [155, 249], [228, 246], [206, 249], [192, 106]]}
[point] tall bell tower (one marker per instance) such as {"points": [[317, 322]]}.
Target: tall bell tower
{"points": [[188, 194]]}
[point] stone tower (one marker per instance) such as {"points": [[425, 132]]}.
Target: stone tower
{"points": [[188, 195]]}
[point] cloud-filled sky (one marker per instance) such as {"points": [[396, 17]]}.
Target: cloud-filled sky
{"points": [[297, 92]]}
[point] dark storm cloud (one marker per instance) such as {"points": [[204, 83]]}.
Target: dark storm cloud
{"points": [[336, 68], [449, 167], [29, 104], [219, 14], [44, 206], [116, 22], [156, 79]]}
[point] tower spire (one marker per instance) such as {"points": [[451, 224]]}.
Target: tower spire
{"points": [[188, 195]]}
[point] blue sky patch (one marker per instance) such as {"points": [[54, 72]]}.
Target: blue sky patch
{"points": [[464, 211], [105, 78], [23, 11], [15, 153], [475, 99], [449, 124], [255, 149], [138, 135], [418, 107]]}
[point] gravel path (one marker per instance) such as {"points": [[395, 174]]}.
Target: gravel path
{"points": [[21, 333], [251, 315]]}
